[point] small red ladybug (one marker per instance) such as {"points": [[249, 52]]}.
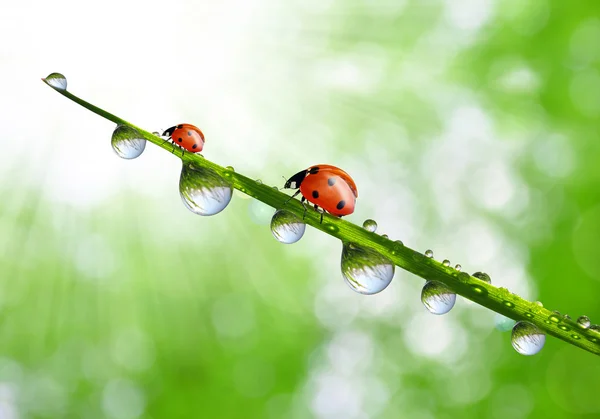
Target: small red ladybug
{"points": [[327, 187], [186, 136]]}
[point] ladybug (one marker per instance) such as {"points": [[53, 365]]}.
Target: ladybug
{"points": [[186, 136], [325, 186]]}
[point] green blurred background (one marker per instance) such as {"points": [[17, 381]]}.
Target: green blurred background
{"points": [[471, 127]]}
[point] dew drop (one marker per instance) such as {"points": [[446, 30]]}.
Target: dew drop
{"points": [[566, 317], [508, 304], [458, 267], [539, 303], [203, 191], [576, 337], [563, 327], [446, 262], [230, 169], [584, 322], [503, 323], [399, 242], [385, 236], [595, 328], [332, 228], [127, 142], [437, 297], [370, 225], [463, 276], [554, 318], [527, 338], [287, 227], [429, 253], [483, 277], [365, 270], [57, 81], [258, 181]]}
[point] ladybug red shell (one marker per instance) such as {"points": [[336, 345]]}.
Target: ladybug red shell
{"points": [[326, 186], [187, 136]]}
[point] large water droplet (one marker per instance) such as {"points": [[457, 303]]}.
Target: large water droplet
{"points": [[437, 297], [127, 142], [370, 225], [483, 276], [287, 227], [57, 80], [203, 191], [365, 270], [584, 321], [429, 253], [503, 323], [527, 338]]}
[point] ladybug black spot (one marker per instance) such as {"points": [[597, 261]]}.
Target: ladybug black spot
{"points": [[331, 181], [313, 170], [341, 204], [195, 146], [315, 194], [180, 139], [189, 133]]}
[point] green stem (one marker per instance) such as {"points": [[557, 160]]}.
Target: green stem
{"points": [[497, 299]]}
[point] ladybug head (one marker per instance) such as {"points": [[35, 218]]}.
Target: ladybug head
{"points": [[295, 181], [168, 132]]}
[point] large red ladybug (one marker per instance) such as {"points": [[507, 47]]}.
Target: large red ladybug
{"points": [[326, 186], [186, 136]]}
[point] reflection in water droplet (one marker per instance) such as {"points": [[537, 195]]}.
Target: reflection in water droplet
{"points": [[429, 253], [57, 80], [437, 297], [458, 267], [483, 277], [463, 276], [503, 323], [228, 171], [446, 262], [370, 225], [365, 270], [203, 191], [527, 338], [584, 322], [287, 227], [127, 142]]}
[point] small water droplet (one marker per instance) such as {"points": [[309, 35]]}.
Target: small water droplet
{"points": [[508, 304], [503, 323], [483, 277], [553, 318], [429, 253], [203, 191], [57, 81], [258, 181], [287, 227], [385, 236], [529, 315], [527, 338], [595, 328], [332, 228], [446, 262], [563, 327], [370, 225], [437, 297], [156, 133], [479, 290], [365, 270], [576, 337], [567, 317], [230, 169], [584, 322], [399, 242], [539, 303], [463, 276], [127, 142], [458, 267]]}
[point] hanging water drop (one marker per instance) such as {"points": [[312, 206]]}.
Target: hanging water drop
{"points": [[458, 267], [127, 142], [527, 338], [503, 323], [365, 270], [483, 276], [429, 253], [287, 227], [370, 225], [57, 81], [203, 191], [437, 297], [584, 322], [446, 262]]}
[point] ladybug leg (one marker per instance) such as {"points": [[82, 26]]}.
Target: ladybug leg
{"points": [[293, 196], [321, 212], [305, 207]]}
